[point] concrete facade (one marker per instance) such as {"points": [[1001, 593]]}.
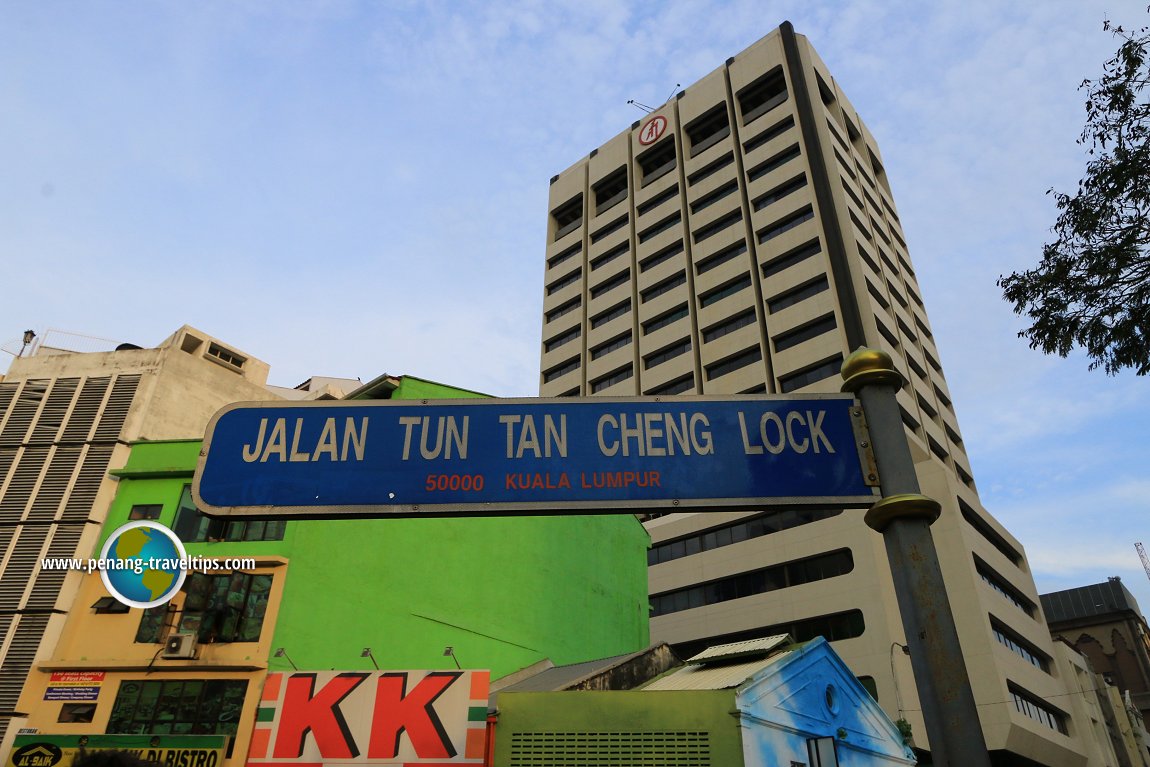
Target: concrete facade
{"points": [[66, 419], [743, 238]]}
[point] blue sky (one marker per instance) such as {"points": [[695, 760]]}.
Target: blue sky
{"points": [[353, 188]]}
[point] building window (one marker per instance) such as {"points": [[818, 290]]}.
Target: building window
{"points": [[570, 366], [564, 256], [663, 320], [786, 224], [610, 380], [183, 707], [562, 339], [781, 191], [709, 129], [217, 608], [604, 349], [708, 200], [609, 256], [565, 281], [1020, 646], [773, 162], [608, 285], [776, 130], [676, 386], [983, 528], [723, 256], [1004, 589], [736, 362], [661, 257], [658, 200], [145, 511], [659, 228], [568, 216], [611, 228], [715, 295], [76, 713], [813, 329], [1030, 706], [667, 353], [226, 356], [658, 160], [782, 576], [741, 320], [663, 288], [795, 295], [710, 169], [614, 313], [191, 526], [611, 190], [562, 309], [793, 256], [710, 230], [810, 375], [746, 529], [762, 95]]}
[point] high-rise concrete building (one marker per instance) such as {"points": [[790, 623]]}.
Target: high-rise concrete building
{"points": [[743, 238]]}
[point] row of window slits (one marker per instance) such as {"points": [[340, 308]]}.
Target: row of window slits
{"points": [[781, 576], [736, 532]]}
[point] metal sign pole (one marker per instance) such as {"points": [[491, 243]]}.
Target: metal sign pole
{"points": [[904, 517]]}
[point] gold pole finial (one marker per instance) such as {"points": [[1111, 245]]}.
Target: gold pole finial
{"points": [[869, 366]]}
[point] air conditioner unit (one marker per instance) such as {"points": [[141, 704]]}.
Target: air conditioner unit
{"points": [[180, 646]]}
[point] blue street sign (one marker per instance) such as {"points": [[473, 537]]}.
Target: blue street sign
{"points": [[322, 459]]}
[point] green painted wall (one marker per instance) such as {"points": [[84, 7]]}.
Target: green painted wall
{"points": [[505, 592], [604, 718]]}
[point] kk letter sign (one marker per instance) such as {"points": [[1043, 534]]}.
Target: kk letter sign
{"points": [[312, 718]]}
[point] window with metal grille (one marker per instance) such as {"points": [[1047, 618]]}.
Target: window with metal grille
{"points": [[610, 749]]}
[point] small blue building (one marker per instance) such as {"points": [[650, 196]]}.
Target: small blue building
{"points": [[762, 703]]}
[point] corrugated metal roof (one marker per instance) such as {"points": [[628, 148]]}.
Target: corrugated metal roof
{"points": [[737, 649], [714, 676]]}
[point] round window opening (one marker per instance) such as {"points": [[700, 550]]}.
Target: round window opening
{"points": [[832, 699]]}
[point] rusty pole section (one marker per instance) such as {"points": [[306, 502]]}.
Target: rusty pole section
{"points": [[903, 516]]}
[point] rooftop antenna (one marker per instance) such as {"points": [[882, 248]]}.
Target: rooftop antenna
{"points": [[672, 93], [641, 105], [29, 337]]}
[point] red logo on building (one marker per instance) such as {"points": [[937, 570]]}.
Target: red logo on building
{"points": [[651, 132]]}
